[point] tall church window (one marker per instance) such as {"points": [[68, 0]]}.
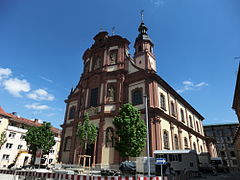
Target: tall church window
{"points": [[71, 114], [137, 97], [165, 139], [162, 101], [201, 148], [194, 146], [185, 143], [68, 142], [94, 97], [140, 48], [197, 126], [190, 121], [173, 109], [182, 116], [176, 142], [109, 137]]}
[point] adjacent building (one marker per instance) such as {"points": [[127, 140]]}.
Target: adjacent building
{"points": [[223, 134], [236, 107], [15, 148], [112, 77]]}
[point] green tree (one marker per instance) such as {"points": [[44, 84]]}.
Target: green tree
{"points": [[131, 131], [3, 138], [87, 132], [40, 137]]}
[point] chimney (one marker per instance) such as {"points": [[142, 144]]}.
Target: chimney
{"points": [[35, 120], [14, 113]]}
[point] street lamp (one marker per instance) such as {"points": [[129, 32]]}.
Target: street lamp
{"points": [[148, 151]]}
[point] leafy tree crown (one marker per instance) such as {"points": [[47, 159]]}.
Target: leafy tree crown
{"points": [[40, 137], [131, 131]]}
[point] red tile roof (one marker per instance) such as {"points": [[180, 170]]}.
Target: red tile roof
{"points": [[2, 112], [25, 121]]}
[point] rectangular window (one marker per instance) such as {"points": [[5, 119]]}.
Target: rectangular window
{"points": [[9, 145], [22, 137], [5, 157], [12, 135], [19, 147], [68, 142], [137, 97], [94, 97]]}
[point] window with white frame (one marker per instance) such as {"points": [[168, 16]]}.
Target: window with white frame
{"points": [[19, 146], [9, 145], [12, 135], [5, 157]]}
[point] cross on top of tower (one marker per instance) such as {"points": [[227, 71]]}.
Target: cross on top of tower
{"points": [[141, 13]]}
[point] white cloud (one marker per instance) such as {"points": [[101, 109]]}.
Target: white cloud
{"points": [[189, 85], [36, 106], [40, 94], [46, 79], [15, 86], [5, 73], [201, 84], [157, 3]]}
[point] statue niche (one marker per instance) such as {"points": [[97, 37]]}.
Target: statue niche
{"points": [[111, 93], [97, 62], [113, 57]]}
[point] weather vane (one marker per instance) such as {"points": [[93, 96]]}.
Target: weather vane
{"points": [[141, 13], [113, 30]]}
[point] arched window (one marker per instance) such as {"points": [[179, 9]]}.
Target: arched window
{"points": [[109, 137], [140, 48], [71, 114], [162, 101], [194, 146], [182, 116], [190, 121], [137, 97], [172, 109], [67, 144], [165, 139], [185, 143], [176, 141]]}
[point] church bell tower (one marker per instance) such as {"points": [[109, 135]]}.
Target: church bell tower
{"points": [[143, 45]]}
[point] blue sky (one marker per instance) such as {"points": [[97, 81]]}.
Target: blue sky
{"points": [[42, 43]]}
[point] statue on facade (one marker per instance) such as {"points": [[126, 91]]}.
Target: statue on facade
{"points": [[111, 93]]}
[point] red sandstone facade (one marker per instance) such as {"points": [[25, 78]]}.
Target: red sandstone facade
{"points": [[111, 78]]}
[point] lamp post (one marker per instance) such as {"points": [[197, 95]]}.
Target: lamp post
{"points": [[148, 151]]}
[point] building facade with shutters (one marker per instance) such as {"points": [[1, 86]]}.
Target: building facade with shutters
{"points": [[110, 78], [15, 148]]}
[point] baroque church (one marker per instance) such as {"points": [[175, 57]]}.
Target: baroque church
{"points": [[110, 78]]}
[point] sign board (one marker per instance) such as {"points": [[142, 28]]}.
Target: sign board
{"points": [[160, 161], [38, 157]]}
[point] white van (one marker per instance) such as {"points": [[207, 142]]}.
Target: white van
{"points": [[180, 160]]}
